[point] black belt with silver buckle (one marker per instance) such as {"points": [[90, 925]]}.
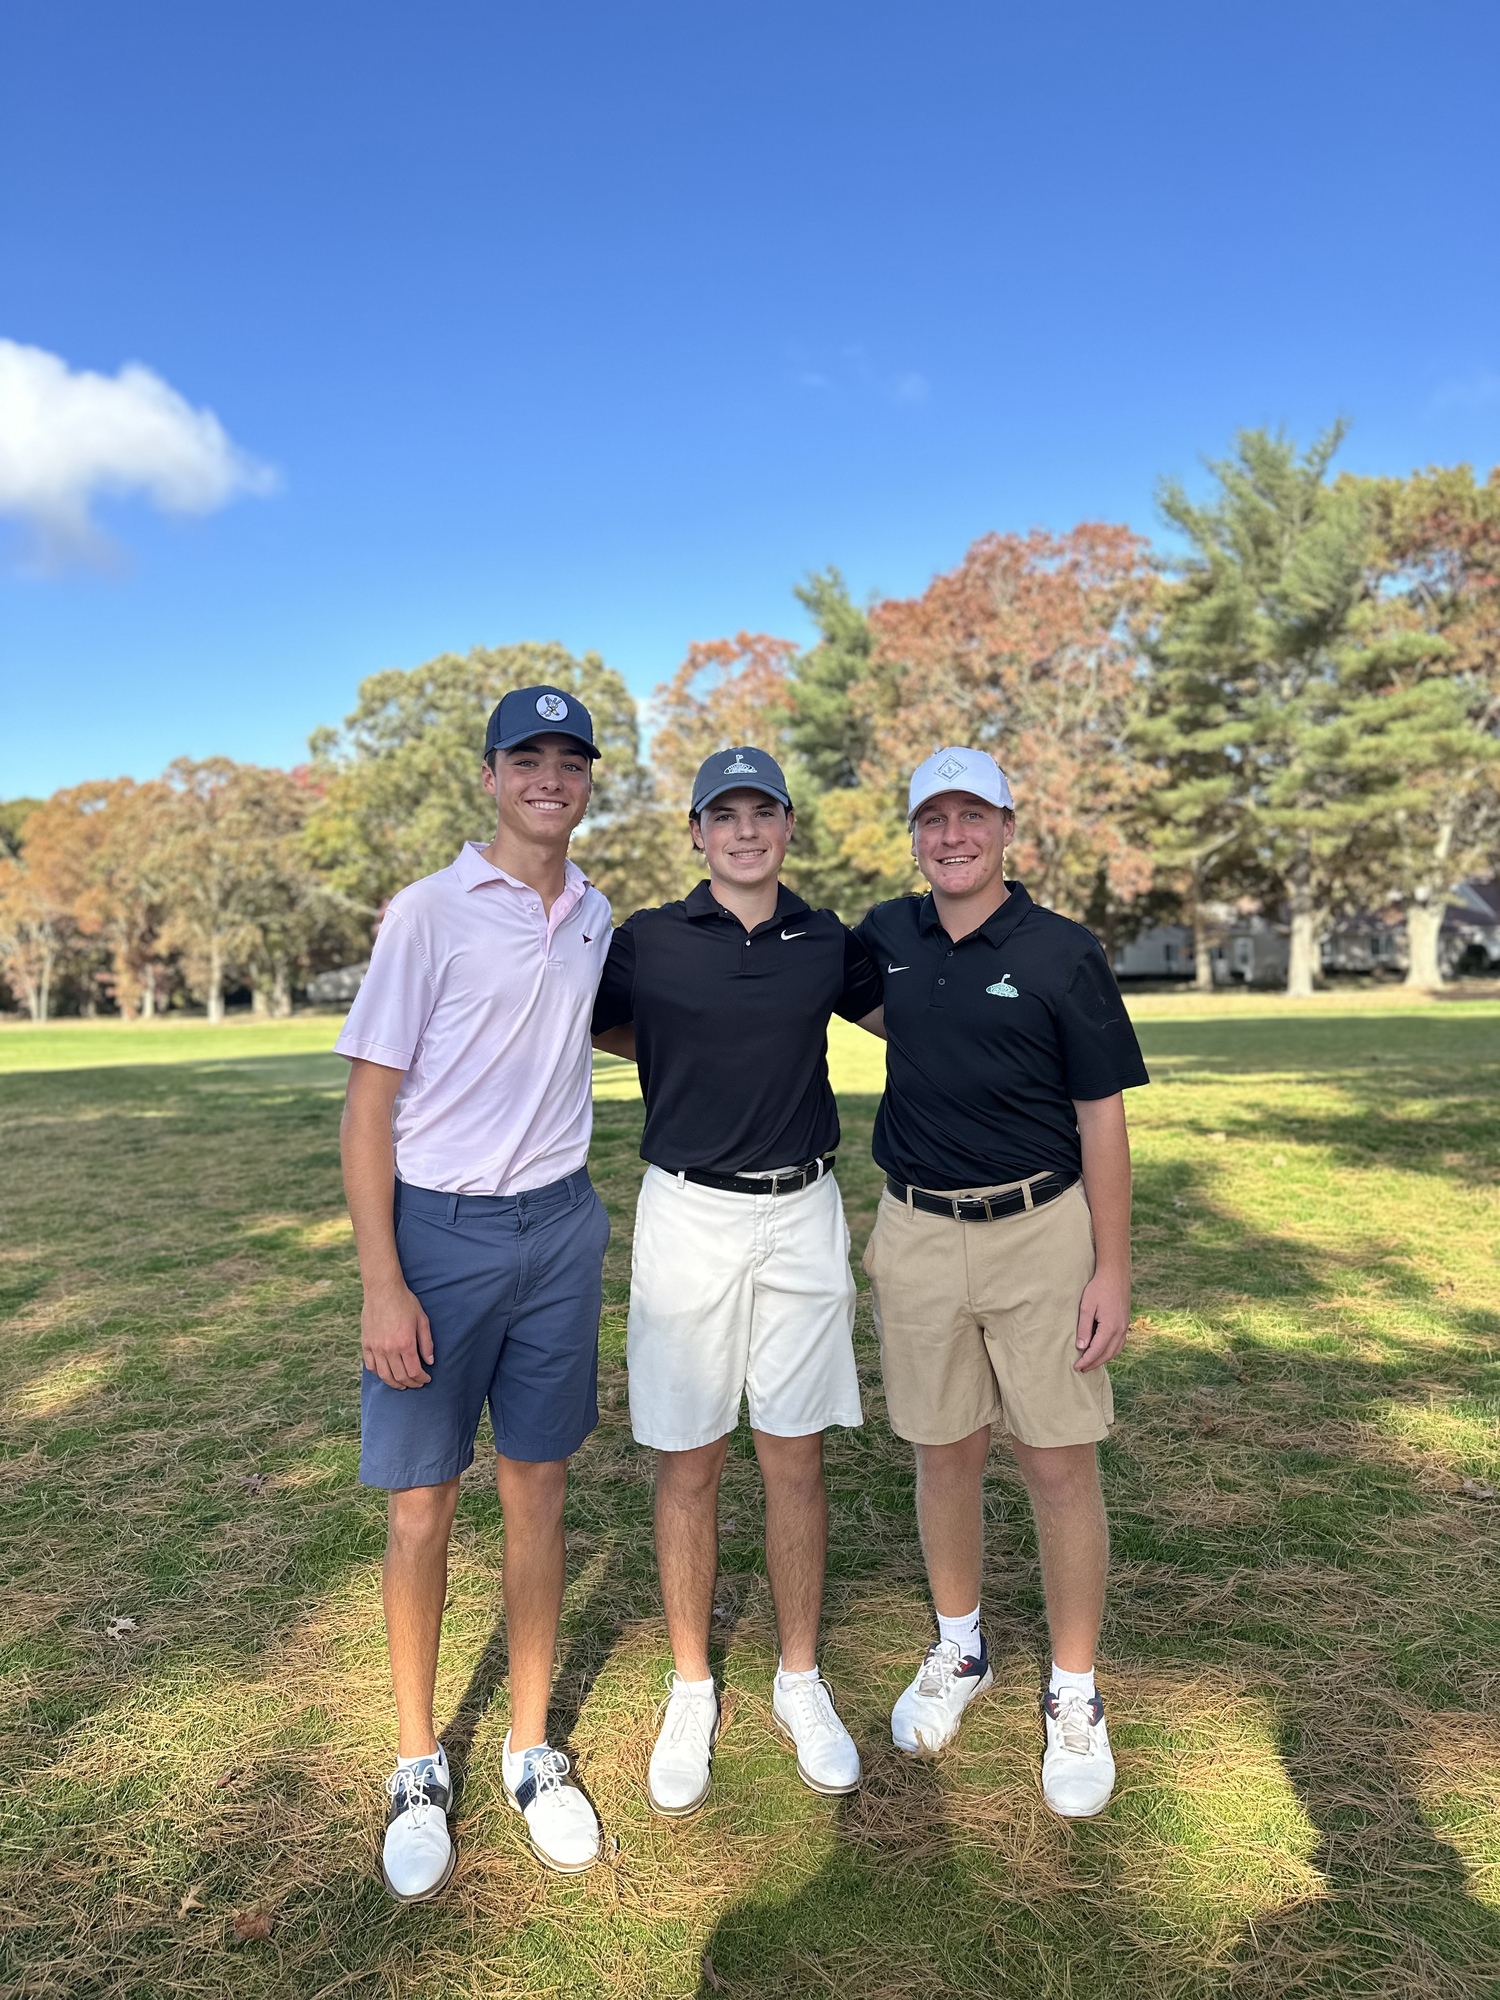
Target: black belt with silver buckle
{"points": [[979, 1208], [787, 1183]]}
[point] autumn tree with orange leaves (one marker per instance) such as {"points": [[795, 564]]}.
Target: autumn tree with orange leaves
{"points": [[1025, 650]]}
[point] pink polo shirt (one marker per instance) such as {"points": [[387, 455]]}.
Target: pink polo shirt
{"points": [[484, 1000]]}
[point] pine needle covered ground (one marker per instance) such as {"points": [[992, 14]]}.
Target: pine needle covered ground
{"points": [[1302, 1655]]}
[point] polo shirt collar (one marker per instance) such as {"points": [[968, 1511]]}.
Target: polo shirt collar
{"points": [[702, 902], [474, 872], [996, 927]]}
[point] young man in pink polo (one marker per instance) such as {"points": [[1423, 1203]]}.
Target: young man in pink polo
{"points": [[481, 1246]]}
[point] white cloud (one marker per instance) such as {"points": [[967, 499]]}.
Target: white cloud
{"points": [[69, 438]]}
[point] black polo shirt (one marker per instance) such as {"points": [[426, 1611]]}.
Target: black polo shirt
{"points": [[990, 1040], [731, 1029]]}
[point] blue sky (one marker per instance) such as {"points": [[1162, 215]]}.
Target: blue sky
{"points": [[606, 323]]}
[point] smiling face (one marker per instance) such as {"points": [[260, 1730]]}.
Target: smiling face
{"points": [[959, 843], [541, 788], [744, 835]]}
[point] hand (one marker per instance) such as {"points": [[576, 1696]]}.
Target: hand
{"points": [[395, 1338], [1103, 1319]]}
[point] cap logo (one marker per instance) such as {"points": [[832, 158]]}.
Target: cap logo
{"points": [[952, 767], [551, 706], [740, 769]]}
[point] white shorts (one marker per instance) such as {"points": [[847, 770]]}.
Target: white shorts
{"points": [[739, 1293]]}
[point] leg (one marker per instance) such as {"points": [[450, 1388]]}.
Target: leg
{"points": [[687, 1548], [1073, 1540], [796, 1540], [414, 1583], [531, 1498], [950, 1516]]}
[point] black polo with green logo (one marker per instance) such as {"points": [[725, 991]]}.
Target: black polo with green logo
{"points": [[731, 1029], [990, 1041]]}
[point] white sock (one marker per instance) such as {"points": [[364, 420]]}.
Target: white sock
{"points": [[696, 1687], [802, 1674], [1062, 1679], [409, 1763], [964, 1632]]}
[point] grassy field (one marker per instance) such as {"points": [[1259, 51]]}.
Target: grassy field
{"points": [[1302, 1653]]}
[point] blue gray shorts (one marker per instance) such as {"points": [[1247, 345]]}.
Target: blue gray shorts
{"points": [[511, 1286]]}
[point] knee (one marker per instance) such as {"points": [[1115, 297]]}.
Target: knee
{"points": [[532, 1491], [420, 1518], [1060, 1477], [689, 1478], [792, 1468]]}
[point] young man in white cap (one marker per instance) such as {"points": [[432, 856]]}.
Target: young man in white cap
{"points": [[740, 1281], [481, 1246], [1000, 1258]]}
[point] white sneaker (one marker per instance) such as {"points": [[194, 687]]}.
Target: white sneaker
{"points": [[418, 1856], [562, 1824], [926, 1717], [803, 1711], [1078, 1767], [678, 1780]]}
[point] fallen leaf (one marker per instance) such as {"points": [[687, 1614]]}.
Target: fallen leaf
{"points": [[255, 1483], [189, 1902], [1477, 1490], [710, 1975], [118, 1627], [251, 1925], [227, 1779]]}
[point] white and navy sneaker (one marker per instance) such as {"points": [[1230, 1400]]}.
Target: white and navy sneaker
{"points": [[926, 1718], [1078, 1766], [827, 1757], [680, 1773], [418, 1857], [562, 1824]]}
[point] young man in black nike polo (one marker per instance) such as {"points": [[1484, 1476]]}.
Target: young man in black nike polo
{"points": [[1000, 1259], [740, 1281]]}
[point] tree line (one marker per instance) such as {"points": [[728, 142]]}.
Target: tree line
{"points": [[1291, 707]]}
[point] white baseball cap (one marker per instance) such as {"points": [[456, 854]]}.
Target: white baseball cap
{"points": [[954, 770]]}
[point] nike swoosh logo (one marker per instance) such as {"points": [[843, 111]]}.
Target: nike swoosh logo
{"points": [[787, 936], [898, 968]]}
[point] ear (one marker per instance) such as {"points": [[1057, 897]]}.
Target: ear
{"points": [[696, 834], [488, 779]]}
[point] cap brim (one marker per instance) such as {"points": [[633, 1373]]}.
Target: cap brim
{"points": [[527, 735], [742, 785]]}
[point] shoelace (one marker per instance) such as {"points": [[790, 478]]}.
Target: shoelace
{"points": [[690, 1714], [939, 1669], [815, 1709], [414, 1783], [1074, 1729], [549, 1770]]}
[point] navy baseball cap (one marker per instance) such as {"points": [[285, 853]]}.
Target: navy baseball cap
{"points": [[539, 711], [739, 770]]}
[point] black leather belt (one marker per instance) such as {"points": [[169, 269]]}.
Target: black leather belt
{"points": [[983, 1208], [787, 1183]]}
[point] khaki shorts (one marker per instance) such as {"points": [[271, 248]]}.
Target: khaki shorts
{"points": [[977, 1322]]}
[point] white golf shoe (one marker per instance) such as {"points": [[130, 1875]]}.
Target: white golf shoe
{"points": [[418, 1856], [1078, 1766], [827, 1758], [680, 1773], [563, 1827], [926, 1717]]}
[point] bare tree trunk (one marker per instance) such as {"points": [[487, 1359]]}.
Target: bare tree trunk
{"points": [[281, 990], [1307, 927], [1424, 923], [148, 994], [43, 1006], [215, 982], [1203, 957], [260, 1005]]}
